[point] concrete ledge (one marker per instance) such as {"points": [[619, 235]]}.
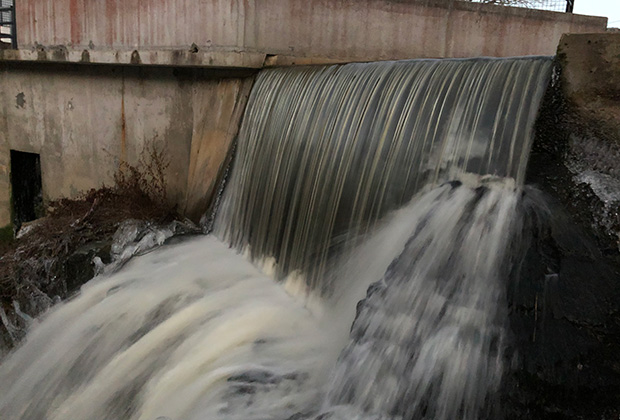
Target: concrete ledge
{"points": [[176, 58], [168, 58]]}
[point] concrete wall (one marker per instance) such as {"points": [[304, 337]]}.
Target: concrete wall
{"points": [[84, 120], [591, 64], [293, 30], [5, 187], [591, 79]]}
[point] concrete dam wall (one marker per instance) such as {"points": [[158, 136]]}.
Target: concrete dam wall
{"points": [[84, 121], [94, 83], [245, 33]]}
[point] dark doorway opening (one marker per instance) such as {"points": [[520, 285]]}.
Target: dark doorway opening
{"points": [[26, 187]]}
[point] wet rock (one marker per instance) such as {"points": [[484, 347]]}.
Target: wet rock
{"points": [[565, 292], [79, 267]]}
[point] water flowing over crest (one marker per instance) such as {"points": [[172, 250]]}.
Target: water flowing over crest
{"points": [[324, 152]]}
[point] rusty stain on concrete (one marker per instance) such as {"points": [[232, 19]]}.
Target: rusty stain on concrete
{"points": [[75, 16]]}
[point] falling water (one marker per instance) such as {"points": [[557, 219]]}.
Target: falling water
{"points": [[427, 341], [355, 156], [325, 152], [194, 331]]}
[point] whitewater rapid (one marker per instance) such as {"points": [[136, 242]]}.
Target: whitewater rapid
{"points": [[194, 331], [164, 337]]}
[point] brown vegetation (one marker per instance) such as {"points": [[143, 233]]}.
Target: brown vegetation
{"points": [[34, 265]]}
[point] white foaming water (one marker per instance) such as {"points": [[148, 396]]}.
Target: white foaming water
{"points": [[427, 341], [193, 331]]}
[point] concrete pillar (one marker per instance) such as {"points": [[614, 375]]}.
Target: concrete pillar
{"points": [[218, 108], [5, 184]]}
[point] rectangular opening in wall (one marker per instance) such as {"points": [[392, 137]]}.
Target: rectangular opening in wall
{"points": [[26, 187]]}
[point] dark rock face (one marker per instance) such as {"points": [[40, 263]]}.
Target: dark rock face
{"points": [[78, 268], [564, 296], [564, 301]]}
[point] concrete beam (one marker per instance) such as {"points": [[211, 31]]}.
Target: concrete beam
{"points": [[175, 58]]}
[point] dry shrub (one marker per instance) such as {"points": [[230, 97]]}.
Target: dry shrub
{"points": [[147, 178], [33, 264]]}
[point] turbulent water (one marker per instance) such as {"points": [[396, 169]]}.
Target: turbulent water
{"points": [[340, 184], [191, 331], [427, 341], [194, 331]]}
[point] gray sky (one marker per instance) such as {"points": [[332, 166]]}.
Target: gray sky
{"points": [[608, 8]]}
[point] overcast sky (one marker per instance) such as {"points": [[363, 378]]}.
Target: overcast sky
{"points": [[608, 8]]}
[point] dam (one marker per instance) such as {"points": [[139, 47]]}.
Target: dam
{"points": [[231, 343], [147, 73], [384, 239]]}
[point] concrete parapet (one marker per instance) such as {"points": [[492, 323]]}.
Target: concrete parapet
{"points": [[242, 33]]}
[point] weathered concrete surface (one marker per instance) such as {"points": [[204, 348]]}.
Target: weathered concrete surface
{"points": [[85, 120], [565, 303], [218, 108], [237, 33], [591, 64], [169, 57], [564, 297], [5, 186], [590, 83], [591, 78]]}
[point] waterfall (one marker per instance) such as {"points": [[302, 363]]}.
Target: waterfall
{"points": [[325, 152], [428, 341], [395, 186]]}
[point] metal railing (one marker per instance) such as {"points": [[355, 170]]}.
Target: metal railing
{"points": [[552, 5], [8, 24], [555, 5]]}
